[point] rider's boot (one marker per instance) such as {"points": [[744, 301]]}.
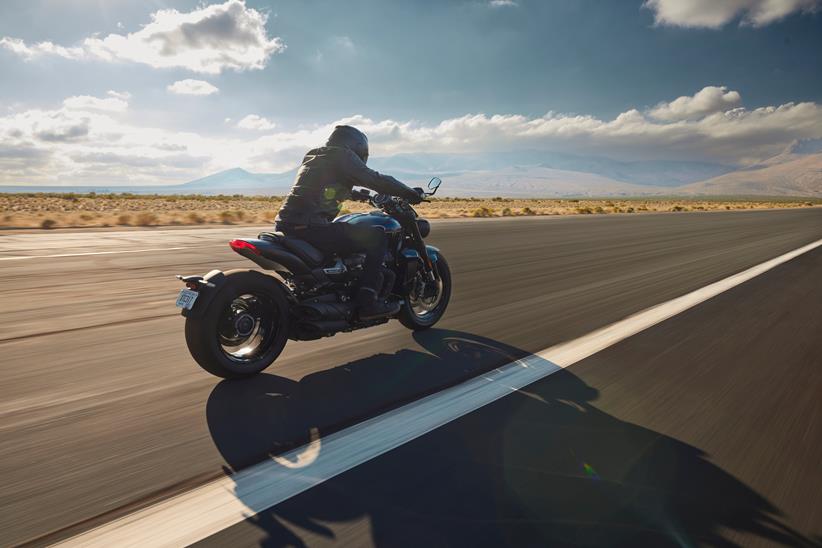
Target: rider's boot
{"points": [[370, 307]]}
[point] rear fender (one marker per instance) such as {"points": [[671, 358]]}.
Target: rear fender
{"points": [[212, 283], [207, 287]]}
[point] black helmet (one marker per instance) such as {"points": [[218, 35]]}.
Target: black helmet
{"points": [[350, 138]]}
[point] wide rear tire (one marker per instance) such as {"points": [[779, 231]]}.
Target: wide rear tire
{"points": [[245, 327], [413, 319]]}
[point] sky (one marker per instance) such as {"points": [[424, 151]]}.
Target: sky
{"points": [[126, 92]]}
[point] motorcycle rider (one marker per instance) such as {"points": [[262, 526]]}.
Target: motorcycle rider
{"points": [[324, 180]]}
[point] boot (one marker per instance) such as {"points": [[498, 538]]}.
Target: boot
{"points": [[369, 307]]}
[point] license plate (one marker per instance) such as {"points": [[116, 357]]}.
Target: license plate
{"points": [[186, 299]]}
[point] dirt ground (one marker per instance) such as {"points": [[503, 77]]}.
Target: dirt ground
{"points": [[34, 210]]}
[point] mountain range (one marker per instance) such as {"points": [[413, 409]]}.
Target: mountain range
{"points": [[797, 171]]}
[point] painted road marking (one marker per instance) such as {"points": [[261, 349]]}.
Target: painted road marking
{"points": [[23, 257], [206, 510]]}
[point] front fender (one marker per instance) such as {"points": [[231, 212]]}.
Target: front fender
{"points": [[433, 253]]}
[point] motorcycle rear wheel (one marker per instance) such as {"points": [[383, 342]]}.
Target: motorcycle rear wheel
{"points": [[420, 313], [244, 329]]}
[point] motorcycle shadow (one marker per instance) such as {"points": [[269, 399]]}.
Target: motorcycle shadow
{"points": [[542, 466], [267, 414]]}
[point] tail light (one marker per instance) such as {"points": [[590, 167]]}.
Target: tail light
{"points": [[239, 245]]}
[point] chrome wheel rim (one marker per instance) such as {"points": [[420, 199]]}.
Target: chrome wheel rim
{"points": [[423, 306], [247, 327]]}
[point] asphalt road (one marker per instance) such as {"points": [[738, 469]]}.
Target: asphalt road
{"points": [[102, 410], [703, 430]]}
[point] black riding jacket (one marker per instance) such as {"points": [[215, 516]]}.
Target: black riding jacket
{"points": [[325, 180]]}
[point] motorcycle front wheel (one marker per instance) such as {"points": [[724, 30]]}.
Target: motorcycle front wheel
{"points": [[424, 307], [244, 328]]}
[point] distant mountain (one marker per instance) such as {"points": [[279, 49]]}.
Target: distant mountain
{"points": [[797, 171], [788, 174], [539, 182], [240, 181], [653, 172]]}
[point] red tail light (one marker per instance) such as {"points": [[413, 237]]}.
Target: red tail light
{"points": [[238, 245]]}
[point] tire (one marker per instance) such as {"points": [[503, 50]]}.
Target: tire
{"points": [[245, 293], [410, 319]]}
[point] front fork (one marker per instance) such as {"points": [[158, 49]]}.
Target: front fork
{"points": [[419, 244]]}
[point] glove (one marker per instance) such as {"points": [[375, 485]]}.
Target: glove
{"points": [[420, 195], [361, 195]]}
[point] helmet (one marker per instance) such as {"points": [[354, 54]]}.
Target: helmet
{"points": [[350, 138]]}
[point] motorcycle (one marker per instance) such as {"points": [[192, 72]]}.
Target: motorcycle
{"points": [[238, 322]]}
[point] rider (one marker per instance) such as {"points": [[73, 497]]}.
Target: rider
{"points": [[323, 182]]}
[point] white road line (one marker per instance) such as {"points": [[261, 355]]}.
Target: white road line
{"points": [[204, 511], [23, 257]]}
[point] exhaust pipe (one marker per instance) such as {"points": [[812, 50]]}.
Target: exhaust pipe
{"points": [[322, 312], [315, 330]]}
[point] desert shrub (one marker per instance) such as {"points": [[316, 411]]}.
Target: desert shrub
{"points": [[599, 209], [629, 210], [146, 219], [227, 217], [48, 223], [124, 219], [679, 208], [528, 211], [497, 199], [507, 212], [86, 216], [584, 210], [195, 218], [239, 214], [483, 212], [574, 201]]}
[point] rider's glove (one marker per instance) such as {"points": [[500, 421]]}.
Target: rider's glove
{"points": [[420, 195], [361, 195]]}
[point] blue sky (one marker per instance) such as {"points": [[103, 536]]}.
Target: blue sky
{"points": [[109, 91]]}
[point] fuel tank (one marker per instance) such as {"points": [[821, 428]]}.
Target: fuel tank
{"points": [[372, 218]]}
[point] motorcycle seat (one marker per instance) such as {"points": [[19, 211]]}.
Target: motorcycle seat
{"points": [[302, 249]]}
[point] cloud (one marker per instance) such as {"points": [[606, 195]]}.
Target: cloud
{"points": [[717, 13], [115, 102], [79, 142], [192, 87], [252, 121], [503, 4], [708, 100], [208, 40]]}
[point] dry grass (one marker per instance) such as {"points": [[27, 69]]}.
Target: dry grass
{"points": [[76, 210]]}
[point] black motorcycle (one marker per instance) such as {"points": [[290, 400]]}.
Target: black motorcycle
{"points": [[238, 322]]}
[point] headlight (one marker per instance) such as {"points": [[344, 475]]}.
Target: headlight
{"points": [[425, 227]]}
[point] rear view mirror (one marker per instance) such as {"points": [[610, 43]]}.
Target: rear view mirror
{"points": [[434, 184]]}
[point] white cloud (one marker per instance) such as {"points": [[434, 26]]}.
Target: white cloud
{"points": [[88, 140], [503, 4], [192, 87], [115, 102], [708, 100], [716, 13], [258, 123], [209, 39]]}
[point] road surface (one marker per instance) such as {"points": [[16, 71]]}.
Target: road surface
{"points": [[103, 411]]}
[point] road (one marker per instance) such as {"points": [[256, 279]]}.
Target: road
{"points": [[103, 411]]}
